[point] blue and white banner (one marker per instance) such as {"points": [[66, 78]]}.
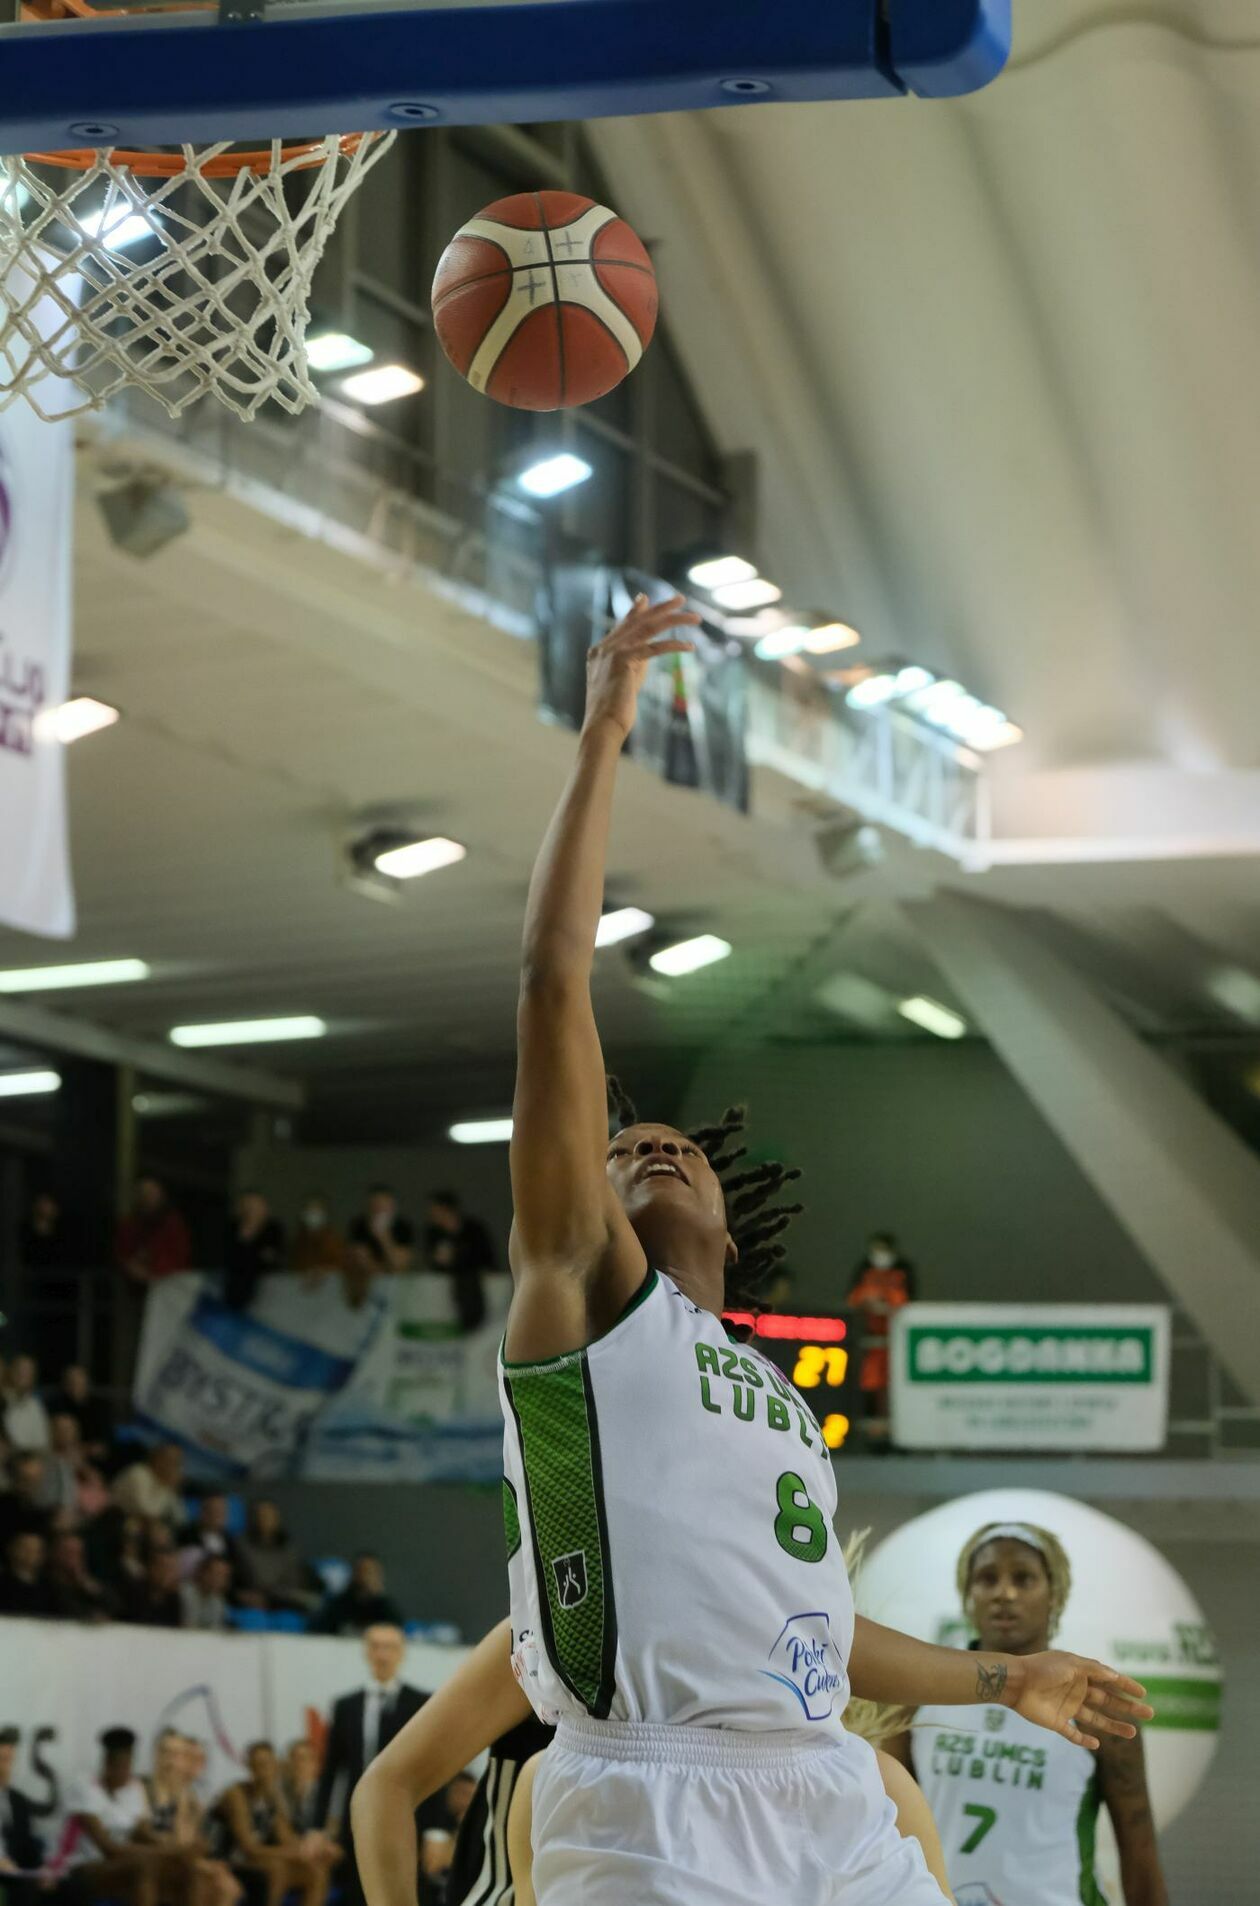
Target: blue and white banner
{"points": [[36, 500], [302, 1384]]}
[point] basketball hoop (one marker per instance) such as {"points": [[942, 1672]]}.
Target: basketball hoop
{"points": [[176, 272]]}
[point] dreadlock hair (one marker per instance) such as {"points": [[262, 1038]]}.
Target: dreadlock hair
{"points": [[1047, 1546], [753, 1218]]}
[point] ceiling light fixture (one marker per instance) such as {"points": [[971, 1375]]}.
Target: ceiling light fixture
{"points": [[481, 1131], [28, 1085], [780, 643], [755, 593], [552, 476], [383, 384], [249, 1032], [336, 351], [933, 1017], [412, 858], [622, 923], [830, 637], [688, 956], [54, 979], [939, 702], [716, 572], [72, 720], [118, 225]]}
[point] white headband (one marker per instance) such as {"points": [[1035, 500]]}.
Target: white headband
{"points": [[1013, 1532]]}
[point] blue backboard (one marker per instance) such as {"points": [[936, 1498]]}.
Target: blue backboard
{"points": [[258, 69]]}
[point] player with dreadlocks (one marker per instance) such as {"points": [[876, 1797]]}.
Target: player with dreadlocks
{"points": [[1016, 1809], [680, 1605]]}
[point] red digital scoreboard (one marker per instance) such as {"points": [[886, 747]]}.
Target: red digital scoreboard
{"points": [[814, 1354]]}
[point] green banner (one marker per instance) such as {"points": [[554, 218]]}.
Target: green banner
{"points": [[1181, 1702], [1040, 1353]]}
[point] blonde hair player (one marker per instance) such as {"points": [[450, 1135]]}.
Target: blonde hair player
{"points": [[483, 1708], [1017, 1807], [680, 1606]]}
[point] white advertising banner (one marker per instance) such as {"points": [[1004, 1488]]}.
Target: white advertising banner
{"points": [[1030, 1376], [61, 1684], [301, 1384], [36, 499]]}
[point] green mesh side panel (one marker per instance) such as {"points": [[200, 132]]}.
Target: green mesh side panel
{"points": [[555, 1417], [1086, 1825], [511, 1520]]}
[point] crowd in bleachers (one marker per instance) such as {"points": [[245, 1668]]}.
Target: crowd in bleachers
{"points": [[174, 1838], [94, 1528], [152, 1241]]}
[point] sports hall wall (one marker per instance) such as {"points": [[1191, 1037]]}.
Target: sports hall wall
{"points": [[938, 1143]]}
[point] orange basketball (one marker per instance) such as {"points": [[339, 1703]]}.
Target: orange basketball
{"points": [[544, 300]]}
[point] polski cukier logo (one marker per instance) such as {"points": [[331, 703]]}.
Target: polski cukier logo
{"points": [[806, 1660]]}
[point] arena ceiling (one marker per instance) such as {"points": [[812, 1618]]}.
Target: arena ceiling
{"points": [[999, 360]]}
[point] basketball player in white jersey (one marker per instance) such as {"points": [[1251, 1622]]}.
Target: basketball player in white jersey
{"points": [[680, 1605], [1016, 1807], [483, 1709]]}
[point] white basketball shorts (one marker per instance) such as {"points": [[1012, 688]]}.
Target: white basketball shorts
{"points": [[633, 1815]]}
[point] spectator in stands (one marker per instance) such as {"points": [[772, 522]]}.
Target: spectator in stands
{"points": [[74, 1594], [26, 1424], [150, 1488], [381, 1239], [362, 1724], [255, 1245], [177, 1827], [22, 1589], [70, 1481], [154, 1601], [21, 1849], [459, 1247], [270, 1573], [301, 1797], [882, 1283], [152, 1241], [262, 1836], [76, 1398], [362, 1603], [106, 1861], [207, 1534], [204, 1600], [43, 1241], [21, 1506], [318, 1245], [437, 1847]]}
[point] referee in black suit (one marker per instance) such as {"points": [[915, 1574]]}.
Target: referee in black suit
{"points": [[363, 1723]]}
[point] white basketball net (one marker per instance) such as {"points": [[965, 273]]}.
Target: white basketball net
{"points": [[177, 285]]}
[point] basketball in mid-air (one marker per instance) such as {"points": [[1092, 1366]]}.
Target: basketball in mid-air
{"points": [[544, 300]]}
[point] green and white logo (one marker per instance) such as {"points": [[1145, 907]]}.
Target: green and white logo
{"points": [[1045, 1354]]}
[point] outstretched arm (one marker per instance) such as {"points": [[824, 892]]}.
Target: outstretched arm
{"points": [[575, 1260], [481, 1700], [1069, 1694], [1122, 1779]]}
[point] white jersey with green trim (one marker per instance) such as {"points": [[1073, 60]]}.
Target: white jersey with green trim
{"points": [[1016, 1806], [668, 1500]]}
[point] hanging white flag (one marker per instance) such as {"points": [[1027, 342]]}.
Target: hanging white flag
{"points": [[36, 501]]}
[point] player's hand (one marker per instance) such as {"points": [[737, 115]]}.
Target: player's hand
{"points": [[615, 667], [1077, 1697]]}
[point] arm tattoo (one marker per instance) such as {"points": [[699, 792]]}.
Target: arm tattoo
{"points": [[990, 1681]]}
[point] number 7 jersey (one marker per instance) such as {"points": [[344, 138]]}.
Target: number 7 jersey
{"points": [[668, 1500]]}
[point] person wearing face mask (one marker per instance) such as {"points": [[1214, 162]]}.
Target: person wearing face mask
{"points": [[318, 1245], [882, 1283]]}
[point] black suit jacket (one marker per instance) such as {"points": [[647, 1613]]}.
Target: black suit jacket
{"points": [[20, 1841], [343, 1760]]}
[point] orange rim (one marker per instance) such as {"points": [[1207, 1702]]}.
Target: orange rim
{"points": [[168, 165]]}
